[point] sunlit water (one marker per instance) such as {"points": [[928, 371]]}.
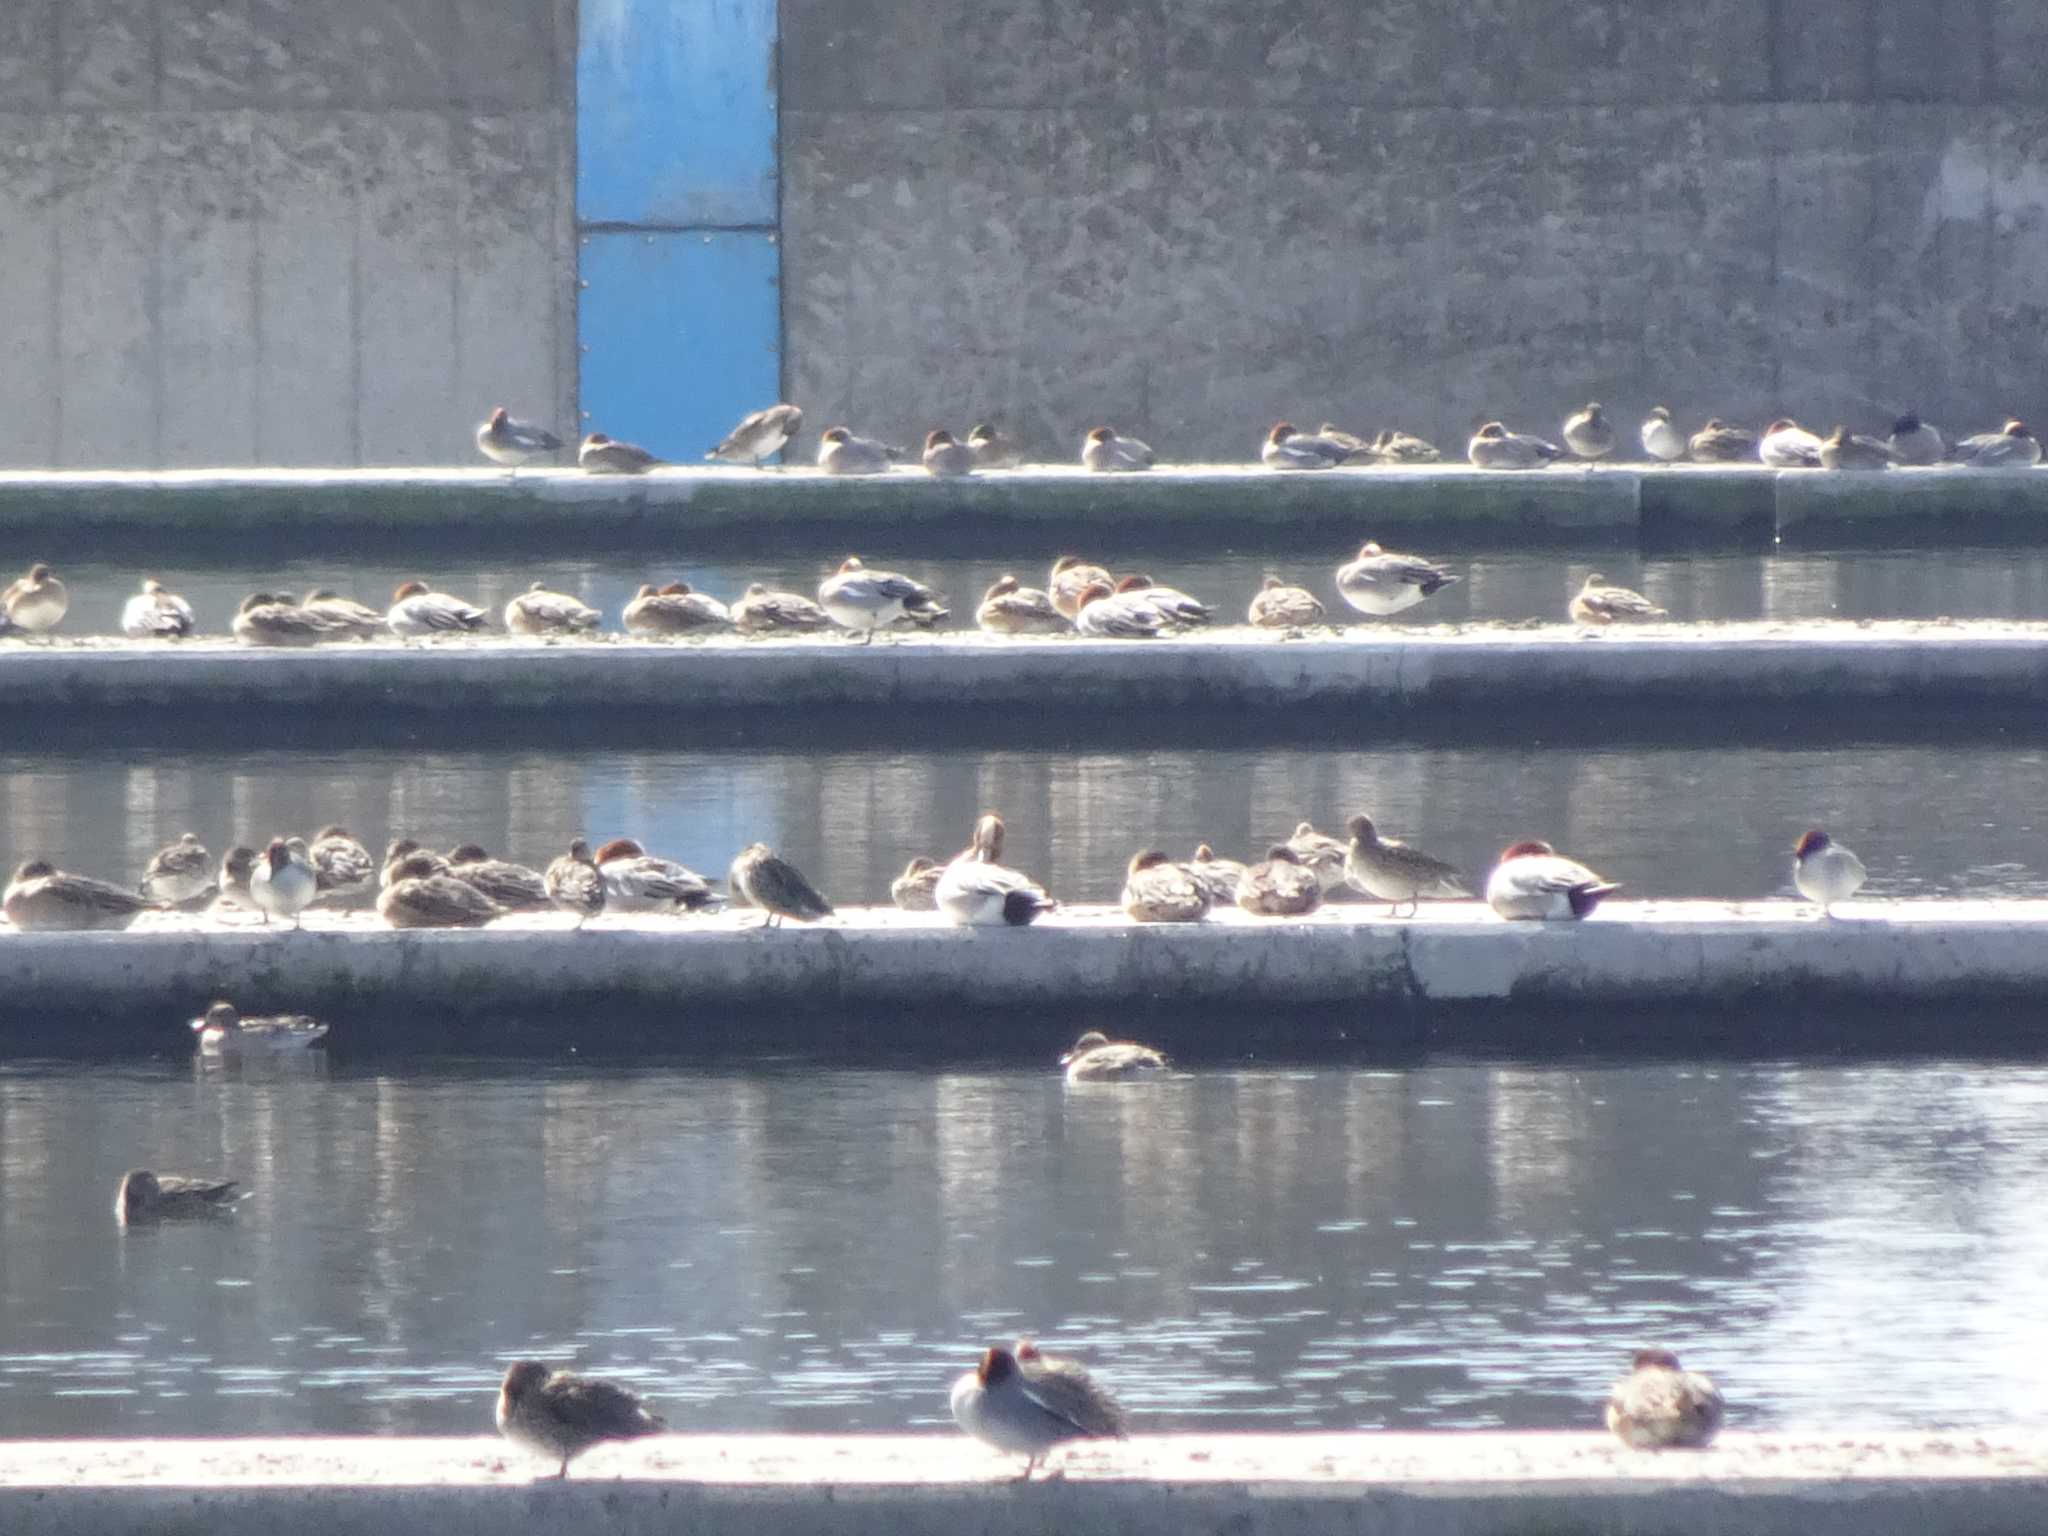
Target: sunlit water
{"points": [[1457, 1246]]}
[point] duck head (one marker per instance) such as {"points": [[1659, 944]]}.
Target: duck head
{"points": [[34, 869], [1094, 592], [522, 1377], [1811, 842], [1530, 848], [1101, 435], [407, 589], [938, 437], [835, 435], [1150, 858], [276, 854], [467, 853], [1490, 430], [1653, 1360], [849, 564], [997, 1365], [220, 1014], [619, 848], [499, 417], [1362, 830], [1001, 586], [1282, 430]]}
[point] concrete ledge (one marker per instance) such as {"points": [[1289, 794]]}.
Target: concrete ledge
{"points": [[942, 1485]]}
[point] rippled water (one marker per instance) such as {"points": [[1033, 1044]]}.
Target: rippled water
{"points": [[1454, 1246]]}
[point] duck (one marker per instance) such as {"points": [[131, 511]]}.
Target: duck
{"points": [[398, 850], [421, 894], [539, 611], [673, 610], [841, 453], [178, 872], [864, 601], [1096, 1058], [284, 882], [156, 613], [1493, 446], [36, 603], [759, 434], [560, 1415], [1534, 882], [1787, 445], [1219, 877], [1278, 605], [1321, 853], [1106, 614], [1393, 446], [1071, 576], [1380, 583], [1071, 1376], [2012, 448], [1598, 603], [1287, 447], [996, 1404], [1106, 453], [265, 618], [222, 1031], [1279, 886], [761, 878], [1157, 890], [992, 447], [1659, 1405], [915, 890], [601, 455], [145, 1196], [976, 890], [945, 457], [762, 612], [636, 881], [346, 618], [1356, 449], [1588, 432], [512, 443], [1174, 605], [237, 865], [1843, 449], [42, 898], [1722, 442], [1396, 873], [515, 887], [576, 884], [1009, 609], [342, 866], [417, 611], [1660, 436], [1824, 871], [1913, 441]]}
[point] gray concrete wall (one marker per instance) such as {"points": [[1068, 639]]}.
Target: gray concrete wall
{"points": [[1190, 217], [269, 232]]}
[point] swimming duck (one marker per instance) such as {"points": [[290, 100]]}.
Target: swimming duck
{"points": [[346, 618], [146, 1196], [576, 884], [601, 455], [996, 1404], [156, 613], [420, 894], [1321, 853], [44, 899], [560, 1415], [1493, 446], [538, 611], [1824, 871], [265, 618], [2013, 448], [222, 1031], [1380, 583], [976, 890], [515, 887], [417, 611], [1107, 614], [1008, 609], [1106, 453], [673, 610], [915, 889], [179, 872], [1915, 442], [1071, 575], [759, 434], [1533, 881], [1287, 447], [1279, 886], [36, 603], [1280, 606], [1096, 1058], [864, 601], [1843, 449], [1174, 605], [342, 866], [1659, 1405], [1396, 447], [945, 457], [762, 879], [1721, 442], [1588, 432], [397, 851], [1661, 438], [1396, 873], [1598, 603], [841, 453], [1157, 890], [236, 867], [762, 612], [992, 447], [636, 881], [1787, 445], [284, 882], [1219, 877], [513, 443]]}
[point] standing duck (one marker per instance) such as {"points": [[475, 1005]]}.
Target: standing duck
{"points": [[145, 1196], [284, 882], [841, 453], [1321, 853], [1279, 886], [1598, 603], [673, 610], [1533, 881], [1661, 438], [512, 443], [946, 458], [1396, 873], [916, 889], [998, 1406], [237, 866], [1106, 453], [1824, 871], [992, 447], [1096, 1058], [36, 603], [1659, 1405], [1280, 606], [1493, 446], [420, 894], [1721, 442], [2013, 448], [560, 1415], [601, 455], [976, 890], [44, 899], [1787, 445], [538, 611], [346, 619], [1071, 576], [1379, 583], [759, 434], [179, 872], [1588, 433], [864, 601], [342, 866], [762, 612], [1106, 614], [762, 879], [1219, 877], [1287, 447], [576, 884], [1157, 890], [416, 611], [156, 613], [222, 1031], [514, 887], [1913, 441], [1396, 447], [1008, 609], [636, 881], [1843, 449]]}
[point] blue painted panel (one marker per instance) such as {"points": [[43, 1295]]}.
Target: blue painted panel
{"points": [[681, 335], [675, 112]]}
